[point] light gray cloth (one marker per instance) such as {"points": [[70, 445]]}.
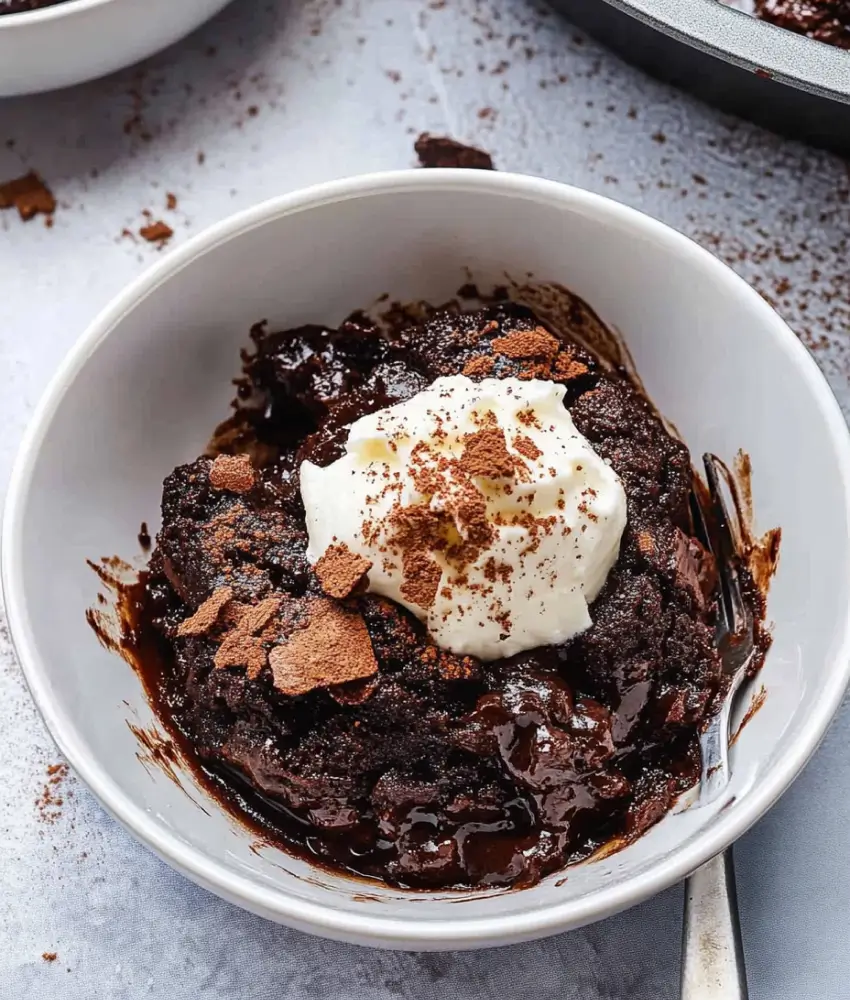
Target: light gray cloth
{"points": [[341, 88]]}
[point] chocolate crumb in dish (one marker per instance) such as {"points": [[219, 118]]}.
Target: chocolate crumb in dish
{"points": [[824, 20], [341, 572], [441, 151], [29, 195], [170, 201], [156, 232], [233, 473], [49, 956], [327, 717]]}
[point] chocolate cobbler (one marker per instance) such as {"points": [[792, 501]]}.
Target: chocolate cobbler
{"points": [[824, 20], [361, 729]]}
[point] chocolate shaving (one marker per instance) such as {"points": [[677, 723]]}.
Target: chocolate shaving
{"points": [[233, 473], [240, 650], [241, 646], [206, 617], [156, 232], [341, 572], [333, 647], [29, 195], [255, 617], [441, 151]]}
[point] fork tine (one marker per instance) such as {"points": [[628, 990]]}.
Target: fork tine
{"points": [[700, 522], [698, 515], [727, 557]]}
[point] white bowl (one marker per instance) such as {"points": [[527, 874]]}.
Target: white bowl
{"points": [[83, 39], [142, 389]]}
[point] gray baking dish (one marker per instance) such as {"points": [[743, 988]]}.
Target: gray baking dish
{"points": [[779, 79]]}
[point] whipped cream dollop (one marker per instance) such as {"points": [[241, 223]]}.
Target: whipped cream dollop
{"points": [[480, 508]]}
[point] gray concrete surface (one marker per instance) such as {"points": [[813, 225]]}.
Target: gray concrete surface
{"points": [[271, 96]]}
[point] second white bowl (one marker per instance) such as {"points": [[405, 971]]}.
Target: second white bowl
{"points": [[81, 40]]}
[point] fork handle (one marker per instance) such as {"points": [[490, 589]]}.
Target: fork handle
{"points": [[712, 953]]}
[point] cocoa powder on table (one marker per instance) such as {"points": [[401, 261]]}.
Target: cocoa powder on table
{"points": [[156, 232]]}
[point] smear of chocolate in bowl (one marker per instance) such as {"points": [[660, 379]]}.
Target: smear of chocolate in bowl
{"points": [[114, 620]]}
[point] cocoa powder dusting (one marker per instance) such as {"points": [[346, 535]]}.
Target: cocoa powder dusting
{"points": [[539, 355], [341, 572], [566, 367], [479, 367], [522, 344], [526, 447], [233, 473], [332, 647], [486, 455], [421, 578], [49, 802]]}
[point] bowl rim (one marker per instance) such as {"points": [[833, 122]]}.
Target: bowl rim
{"points": [[274, 902], [746, 41], [30, 18]]}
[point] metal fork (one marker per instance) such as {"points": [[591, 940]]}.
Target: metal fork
{"points": [[712, 952]]}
